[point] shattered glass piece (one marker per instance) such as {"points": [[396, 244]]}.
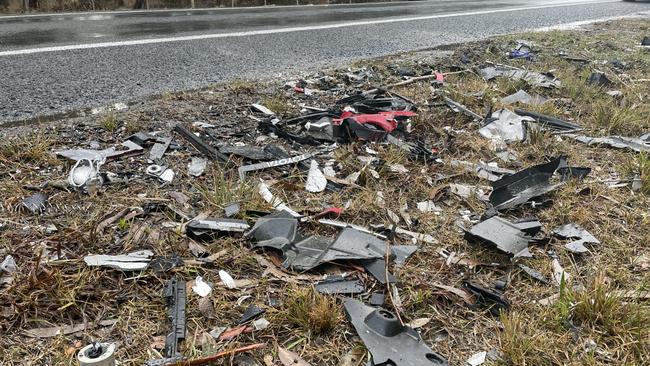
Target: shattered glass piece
{"points": [[128, 262], [276, 230], [316, 181], [252, 312], [618, 142], [389, 342], [339, 285], [522, 97], [506, 126], [573, 231], [507, 237], [35, 203], [197, 166], [519, 188]]}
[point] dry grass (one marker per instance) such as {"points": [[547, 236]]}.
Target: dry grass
{"points": [[588, 323]]}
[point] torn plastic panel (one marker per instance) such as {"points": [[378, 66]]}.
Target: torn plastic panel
{"points": [[533, 274], [388, 341], [492, 299], [550, 122], [508, 237], [210, 228], [276, 230], [573, 172], [519, 188], [339, 285], [377, 269], [522, 97], [506, 126], [251, 312], [573, 231]]}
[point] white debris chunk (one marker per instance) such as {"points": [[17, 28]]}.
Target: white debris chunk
{"points": [[261, 324], [277, 204], [8, 265], [201, 287], [476, 359], [559, 272], [135, 261], [316, 181], [509, 127], [197, 166], [428, 206], [262, 109], [227, 279]]}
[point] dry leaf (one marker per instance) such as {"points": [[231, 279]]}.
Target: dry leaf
{"points": [[419, 323], [289, 358]]}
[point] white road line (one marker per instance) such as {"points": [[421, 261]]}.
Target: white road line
{"points": [[135, 42]]}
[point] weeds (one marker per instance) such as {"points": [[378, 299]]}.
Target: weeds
{"points": [[311, 311], [109, 123]]}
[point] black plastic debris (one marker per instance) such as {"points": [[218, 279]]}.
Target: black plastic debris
{"points": [[645, 41], [533, 274], [573, 231], [377, 269], [339, 285], [523, 186], [598, 78], [175, 295], [511, 238], [164, 264], [209, 228], [573, 172], [35, 203], [388, 341], [277, 230], [618, 142], [494, 300], [202, 146], [402, 253], [251, 313], [550, 122], [377, 299]]}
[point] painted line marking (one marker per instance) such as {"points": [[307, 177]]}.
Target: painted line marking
{"points": [[136, 42]]}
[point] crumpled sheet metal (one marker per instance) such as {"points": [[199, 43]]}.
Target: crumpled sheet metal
{"points": [[531, 77], [573, 231], [618, 142], [506, 126], [388, 341], [519, 188], [508, 237], [135, 261]]}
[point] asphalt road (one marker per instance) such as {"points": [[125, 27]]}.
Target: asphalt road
{"points": [[53, 63]]}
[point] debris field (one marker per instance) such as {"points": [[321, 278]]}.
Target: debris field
{"points": [[485, 203]]}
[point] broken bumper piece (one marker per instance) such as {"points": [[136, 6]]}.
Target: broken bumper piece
{"points": [[388, 341]]}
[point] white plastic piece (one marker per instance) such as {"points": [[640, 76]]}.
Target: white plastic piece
{"points": [[477, 359], [107, 358], [227, 279], [129, 262], [316, 181], [201, 287]]}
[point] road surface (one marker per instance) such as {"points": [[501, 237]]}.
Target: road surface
{"points": [[58, 62]]}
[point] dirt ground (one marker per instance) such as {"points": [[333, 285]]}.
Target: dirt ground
{"points": [[596, 314]]}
